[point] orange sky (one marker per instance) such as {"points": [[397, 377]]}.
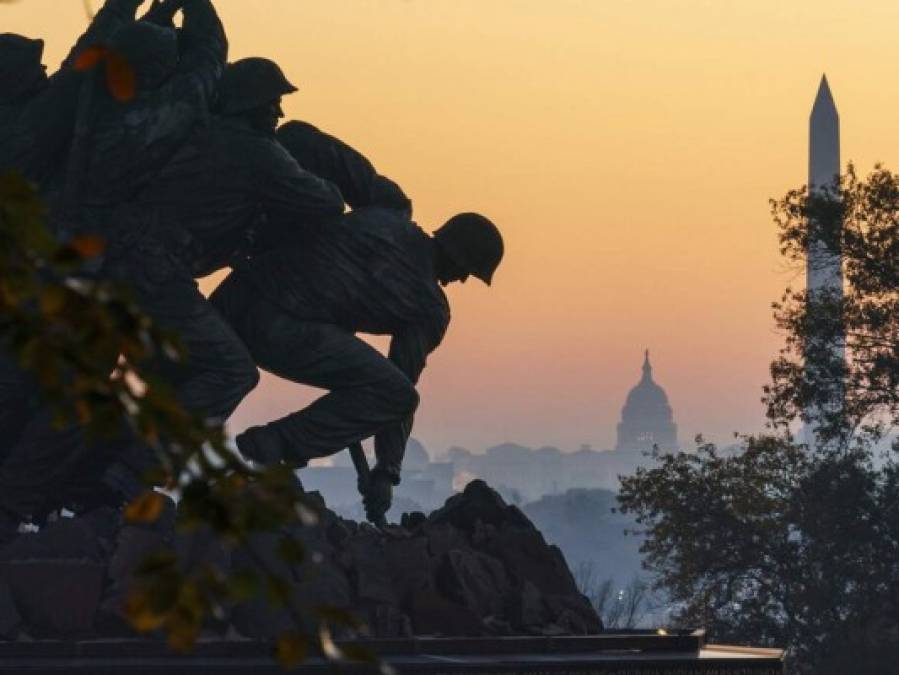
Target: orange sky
{"points": [[626, 149]]}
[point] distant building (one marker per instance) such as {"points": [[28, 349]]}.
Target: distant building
{"points": [[646, 419]]}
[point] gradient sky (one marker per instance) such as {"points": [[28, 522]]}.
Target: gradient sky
{"points": [[626, 149]]}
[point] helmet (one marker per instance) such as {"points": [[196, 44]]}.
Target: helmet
{"points": [[151, 51], [20, 65], [250, 83], [474, 244]]}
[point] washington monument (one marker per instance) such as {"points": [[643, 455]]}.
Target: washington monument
{"points": [[824, 275]]}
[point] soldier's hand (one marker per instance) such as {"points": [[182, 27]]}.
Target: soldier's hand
{"points": [[378, 497], [162, 12]]}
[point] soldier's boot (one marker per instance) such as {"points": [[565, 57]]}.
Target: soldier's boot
{"points": [[264, 445], [259, 447]]}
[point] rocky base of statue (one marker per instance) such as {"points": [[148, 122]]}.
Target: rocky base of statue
{"points": [[476, 567]]}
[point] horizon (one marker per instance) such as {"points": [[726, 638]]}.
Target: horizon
{"points": [[626, 151]]}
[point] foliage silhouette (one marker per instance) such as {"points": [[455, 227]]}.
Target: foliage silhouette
{"points": [[89, 347], [790, 544]]}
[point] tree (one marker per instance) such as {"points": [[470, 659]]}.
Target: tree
{"points": [[788, 544], [773, 546], [625, 608], [89, 348], [71, 332], [858, 219]]}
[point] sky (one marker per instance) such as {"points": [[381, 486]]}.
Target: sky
{"points": [[627, 151]]}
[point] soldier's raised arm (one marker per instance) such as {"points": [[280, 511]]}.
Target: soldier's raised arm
{"points": [[409, 351], [45, 124], [293, 201], [112, 15], [203, 51], [162, 13], [336, 161]]}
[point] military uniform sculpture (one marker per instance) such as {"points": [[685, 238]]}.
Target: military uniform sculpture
{"points": [[191, 176]]}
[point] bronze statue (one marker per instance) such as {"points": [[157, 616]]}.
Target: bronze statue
{"points": [[37, 112], [298, 308], [37, 120], [192, 175], [117, 148]]}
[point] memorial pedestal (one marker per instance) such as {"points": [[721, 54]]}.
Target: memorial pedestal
{"points": [[634, 653]]}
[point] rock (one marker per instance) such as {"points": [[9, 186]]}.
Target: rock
{"points": [[574, 613], [432, 614], [413, 520], [55, 577], [411, 567], [552, 630], [324, 583], [366, 560], [527, 556], [200, 547], [337, 530], [133, 545], [386, 621], [473, 580], [495, 627], [530, 609], [482, 534], [476, 567], [56, 598], [64, 539], [257, 617], [479, 502], [10, 619], [443, 537]]}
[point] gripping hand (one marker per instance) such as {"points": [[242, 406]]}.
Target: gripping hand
{"points": [[377, 498]]}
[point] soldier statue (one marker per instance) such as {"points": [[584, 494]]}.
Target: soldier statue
{"points": [[298, 309], [190, 176], [37, 120]]}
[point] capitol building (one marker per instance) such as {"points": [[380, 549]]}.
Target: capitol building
{"points": [[647, 419]]}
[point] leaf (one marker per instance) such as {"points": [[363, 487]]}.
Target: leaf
{"points": [[182, 639], [329, 647], [291, 650], [158, 563], [83, 411], [291, 550], [88, 246], [141, 615], [146, 508], [243, 585], [90, 57], [120, 78], [278, 590], [53, 300]]}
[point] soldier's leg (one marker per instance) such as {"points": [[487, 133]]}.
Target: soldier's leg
{"points": [[367, 392], [217, 371], [39, 465], [47, 464]]}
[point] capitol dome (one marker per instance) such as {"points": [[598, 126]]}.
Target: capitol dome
{"points": [[647, 419]]}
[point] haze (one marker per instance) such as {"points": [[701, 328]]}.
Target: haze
{"points": [[626, 149]]}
